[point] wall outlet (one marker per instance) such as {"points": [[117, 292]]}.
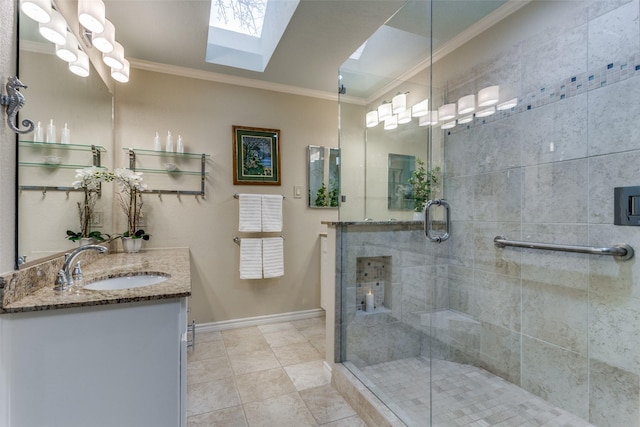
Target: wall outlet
{"points": [[97, 220]]}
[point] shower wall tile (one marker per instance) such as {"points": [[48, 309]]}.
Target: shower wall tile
{"points": [[386, 340], [555, 314], [606, 173], [414, 292], [503, 69], [613, 117], [554, 132], [498, 300], [461, 197], [487, 256], [613, 35], [460, 245], [615, 394], [556, 193], [462, 296], [460, 154], [498, 196], [500, 352], [607, 276], [544, 61], [544, 266], [499, 145], [614, 322], [557, 375], [600, 7]]}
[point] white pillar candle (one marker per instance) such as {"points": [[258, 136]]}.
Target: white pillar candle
{"points": [[369, 300]]}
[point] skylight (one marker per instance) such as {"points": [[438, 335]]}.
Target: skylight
{"points": [[240, 16], [245, 33]]}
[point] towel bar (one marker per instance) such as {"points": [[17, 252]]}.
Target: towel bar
{"points": [[237, 239], [237, 196]]}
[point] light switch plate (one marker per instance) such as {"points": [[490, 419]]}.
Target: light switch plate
{"points": [[297, 192]]}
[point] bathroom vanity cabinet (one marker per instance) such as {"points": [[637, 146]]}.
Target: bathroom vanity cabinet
{"points": [[115, 365]]}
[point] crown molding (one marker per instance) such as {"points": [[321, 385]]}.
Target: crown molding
{"points": [[237, 81]]}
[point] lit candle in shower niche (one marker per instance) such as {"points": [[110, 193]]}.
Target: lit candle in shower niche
{"points": [[369, 301]]}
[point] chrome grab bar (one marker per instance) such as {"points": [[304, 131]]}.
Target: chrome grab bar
{"points": [[621, 251], [437, 202]]}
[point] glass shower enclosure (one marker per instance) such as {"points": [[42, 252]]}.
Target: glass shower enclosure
{"points": [[543, 127]]}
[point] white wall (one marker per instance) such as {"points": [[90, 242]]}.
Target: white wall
{"points": [[204, 112], [7, 174]]}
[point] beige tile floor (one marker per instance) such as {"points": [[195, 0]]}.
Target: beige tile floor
{"points": [[270, 375]]}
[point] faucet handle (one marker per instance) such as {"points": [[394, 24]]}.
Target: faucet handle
{"points": [[61, 283], [77, 273]]}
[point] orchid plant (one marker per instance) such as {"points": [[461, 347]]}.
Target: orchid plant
{"points": [[89, 180], [131, 188]]}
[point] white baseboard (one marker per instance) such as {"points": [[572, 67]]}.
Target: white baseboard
{"points": [[203, 328]]}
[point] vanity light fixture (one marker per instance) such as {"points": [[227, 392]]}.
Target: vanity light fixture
{"points": [[80, 67], [430, 119], [105, 41], [404, 117], [55, 30], [91, 14], [488, 96], [372, 118], [447, 112], [421, 109], [399, 103], [115, 58], [486, 112], [38, 10], [391, 123], [385, 110], [507, 105], [466, 104], [121, 75], [69, 50], [449, 125], [465, 119]]}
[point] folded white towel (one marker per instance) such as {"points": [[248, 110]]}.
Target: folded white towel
{"points": [[251, 258], [271, 212], [273, 257], [250, 212]]}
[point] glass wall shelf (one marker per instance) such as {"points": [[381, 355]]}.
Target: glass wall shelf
{"points": [[166, 153], [175, 170], [53, 166], [32, 152], [57, 146]]}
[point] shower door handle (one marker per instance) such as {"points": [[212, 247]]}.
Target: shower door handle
{"points": [[442, 237]]}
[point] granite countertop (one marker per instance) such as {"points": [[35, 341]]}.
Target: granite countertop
{"points": [[172, 262]]}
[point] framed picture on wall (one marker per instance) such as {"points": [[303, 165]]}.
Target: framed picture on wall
{"points": [[256, 156]]}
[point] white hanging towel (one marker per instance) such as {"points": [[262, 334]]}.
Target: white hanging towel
{"points": [[273, 257], [272, 212], [251, 258], [250, 213]]}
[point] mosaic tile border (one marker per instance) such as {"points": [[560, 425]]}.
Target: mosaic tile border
{"points": [[574, 85]]}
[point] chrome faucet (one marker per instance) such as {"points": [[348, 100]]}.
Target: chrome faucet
{"points": [[64, 276]]}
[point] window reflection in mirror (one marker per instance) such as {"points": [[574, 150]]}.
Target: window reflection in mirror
{"points": [[85, 105], [400, 192], [324, 177]]}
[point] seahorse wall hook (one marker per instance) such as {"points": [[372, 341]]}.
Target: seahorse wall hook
{"points": [[14, 101]]}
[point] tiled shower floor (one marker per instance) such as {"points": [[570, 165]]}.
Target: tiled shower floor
{"points": [[463, 395]]}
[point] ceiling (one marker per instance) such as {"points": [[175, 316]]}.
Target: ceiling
{"points": [[171, 36]]}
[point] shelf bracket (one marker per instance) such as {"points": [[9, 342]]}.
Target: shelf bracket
{"points": [[14, 101]]}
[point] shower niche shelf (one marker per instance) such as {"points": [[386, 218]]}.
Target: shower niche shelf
{"points": [[373, 276]]}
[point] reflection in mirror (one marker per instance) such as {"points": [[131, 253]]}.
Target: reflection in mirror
{"points": [[46, 170], [324, 177], [400, 191]]}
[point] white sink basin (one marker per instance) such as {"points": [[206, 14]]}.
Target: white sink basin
{"points": [[126, 282]]}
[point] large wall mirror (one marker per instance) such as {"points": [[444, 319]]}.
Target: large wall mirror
{"points": [[46, 208], [324, 177]]}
